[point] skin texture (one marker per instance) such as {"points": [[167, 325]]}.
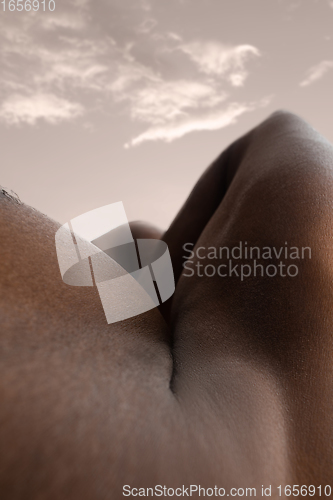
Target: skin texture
{"points": [[229, 384]]}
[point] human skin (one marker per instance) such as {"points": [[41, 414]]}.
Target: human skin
{"points": [[232, 386]]}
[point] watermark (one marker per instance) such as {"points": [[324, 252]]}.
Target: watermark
{"points": [[216, 491], [28, 5], [188, 491], [98, 249], [243, 261]]}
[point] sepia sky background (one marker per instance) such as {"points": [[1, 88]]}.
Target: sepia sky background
{"points": [[116, 100]]}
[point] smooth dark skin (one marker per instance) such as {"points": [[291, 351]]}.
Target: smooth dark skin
{"points": [[234, 390]]}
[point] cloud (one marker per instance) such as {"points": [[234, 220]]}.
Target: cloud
{"points": [[75, 62], [215, 59], [213, 120], [147, 26], [317, 72], [175, 36], [21, 109], [165, 101], [66, 21], [175, 108]]}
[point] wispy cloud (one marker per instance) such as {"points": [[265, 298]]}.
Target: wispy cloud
{"points": [[162, 102], [62, 65], [215, 59], [316, 72], [175, 108], [21, 109], [212, 120]]}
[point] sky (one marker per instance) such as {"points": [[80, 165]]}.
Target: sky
{"points": [[104, 101]]}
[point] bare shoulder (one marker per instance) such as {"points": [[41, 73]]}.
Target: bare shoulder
{"points": [[74, 390]]}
